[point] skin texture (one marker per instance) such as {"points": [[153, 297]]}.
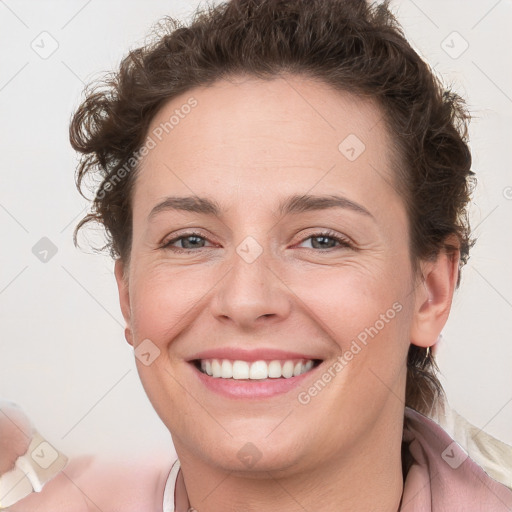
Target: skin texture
{"points": [[247, 145]]}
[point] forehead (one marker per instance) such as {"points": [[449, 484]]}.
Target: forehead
{"points": [[286, 134]]}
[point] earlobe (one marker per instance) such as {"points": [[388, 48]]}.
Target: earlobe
{"points": [[434, 298], [124, 298]]}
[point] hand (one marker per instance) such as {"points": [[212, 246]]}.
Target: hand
{"points": [[16, 432]]}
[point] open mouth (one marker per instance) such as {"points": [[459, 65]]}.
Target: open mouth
{"points": [[255, 370]]}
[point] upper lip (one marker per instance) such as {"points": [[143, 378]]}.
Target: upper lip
{"points": [[240, 354]]}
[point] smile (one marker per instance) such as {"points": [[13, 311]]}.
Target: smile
{"points": [[255, 370], [257, 373]]}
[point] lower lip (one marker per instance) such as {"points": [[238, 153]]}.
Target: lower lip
{"points": [[244, 388]]}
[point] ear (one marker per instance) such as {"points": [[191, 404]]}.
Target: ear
{"points": [[124, 297], [434, 297]]}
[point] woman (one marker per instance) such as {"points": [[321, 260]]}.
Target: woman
{"points": [[284, 186]]}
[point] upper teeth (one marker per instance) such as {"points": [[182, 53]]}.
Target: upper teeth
{"points": [[226, 369]]}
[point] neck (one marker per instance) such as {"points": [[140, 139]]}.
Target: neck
{"points": [[365, 478]]}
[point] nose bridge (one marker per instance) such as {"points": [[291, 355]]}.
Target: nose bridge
{"points": [[251, 263], [251, 289]]}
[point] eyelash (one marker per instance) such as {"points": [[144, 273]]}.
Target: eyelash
{"points": [[344, 243]]}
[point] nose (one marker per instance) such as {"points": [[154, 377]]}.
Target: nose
{"points": [[252, 292]]}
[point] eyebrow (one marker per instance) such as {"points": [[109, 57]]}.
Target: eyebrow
{"points": [[289, 206]]}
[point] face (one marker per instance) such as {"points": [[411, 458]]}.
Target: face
{"points": [[269, 278]]}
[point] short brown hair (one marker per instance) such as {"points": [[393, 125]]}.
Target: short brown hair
{"points": [[348, 44]]}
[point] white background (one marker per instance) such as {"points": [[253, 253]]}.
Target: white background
{"points": [[63, 356]]}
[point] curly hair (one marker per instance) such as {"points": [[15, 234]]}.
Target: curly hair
{"points": [[348, 44]]}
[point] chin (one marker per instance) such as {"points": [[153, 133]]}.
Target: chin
{"points": [[254, 452]]}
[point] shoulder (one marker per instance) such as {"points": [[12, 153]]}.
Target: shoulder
{"points": [[492, 454], [443, 474], [92, 483]]}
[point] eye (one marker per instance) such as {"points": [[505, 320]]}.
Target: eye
{"points": [[191, 241], [323, 240]]}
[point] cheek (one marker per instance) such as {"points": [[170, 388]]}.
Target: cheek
{"points": [[162, 299], [366, 315], [348, 300]]}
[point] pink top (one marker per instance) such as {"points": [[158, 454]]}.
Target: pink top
{"points": [[441, 478]]}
